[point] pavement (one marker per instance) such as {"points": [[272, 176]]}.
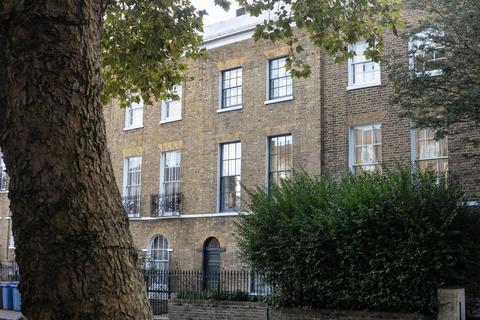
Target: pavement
{"points": [[11, 315], [15, 315]]}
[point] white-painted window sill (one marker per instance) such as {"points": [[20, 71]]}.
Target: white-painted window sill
{"points": [[430, 73], [192, 216], [229, 109], [3, 191], [364, 85], [170, 120], [279, 100], [473, 203], [132, 128]]}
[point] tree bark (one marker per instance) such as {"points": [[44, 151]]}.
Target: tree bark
{"points": [[74, 248]]}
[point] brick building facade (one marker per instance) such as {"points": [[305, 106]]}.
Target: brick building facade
{"points": [[241, 120], [322, 116], [199, 135]]}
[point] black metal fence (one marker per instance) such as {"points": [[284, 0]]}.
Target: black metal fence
{"points": [[9, 271], [166, 204], [161, 285], [224, 285], [131, 204]]}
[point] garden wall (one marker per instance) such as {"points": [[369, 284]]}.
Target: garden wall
{"points": [[230, 310]]}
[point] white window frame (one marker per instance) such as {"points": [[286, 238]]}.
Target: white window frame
{"points": [[414, 154], [418, 43], [170, 103], [162, 175], [125, 179], [270, 100], [221, 107], [351, 147], [268, 154], [363, 60], [220, 175], [132, 111], [165, 249]]}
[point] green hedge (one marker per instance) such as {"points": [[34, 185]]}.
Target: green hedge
{"points": [[379, 242]]}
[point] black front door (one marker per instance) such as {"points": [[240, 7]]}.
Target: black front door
{"points": [[211, 262]]}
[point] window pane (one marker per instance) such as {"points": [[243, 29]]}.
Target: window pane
{"points": [[225, 148], [377, 135], [172, 109], [367, 154], [367, 148], [426, 53], [430, 165], [231, 167], [362, 70], [230, 192], [231, 88], [358, 154], [431, 154], [158, 253], [230, 171], [134, 115], [280, 81], [231, 152], [378, 153], [367, 136], [225, 168], [131, 184], [238, 166], [443, 165], [171, 172], [280, 158], [443, 147]]}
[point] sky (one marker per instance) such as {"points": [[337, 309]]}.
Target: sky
{"points": [[215, 13]]}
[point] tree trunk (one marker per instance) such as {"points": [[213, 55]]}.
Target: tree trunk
{"points": [[74, 248]]}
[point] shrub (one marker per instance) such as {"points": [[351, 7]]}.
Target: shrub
{"points": [[375, 241]]}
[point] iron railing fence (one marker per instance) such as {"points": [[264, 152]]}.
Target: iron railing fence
{"points": [[157, 283], [9, 271], [166, 204], [228, 285], [3, 180], [131, 204], [162, 285]]}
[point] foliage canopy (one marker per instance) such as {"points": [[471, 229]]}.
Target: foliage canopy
{"points": [[145, 46], [146, 43], [447, 100]]}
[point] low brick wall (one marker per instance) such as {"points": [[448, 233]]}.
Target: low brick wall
{"points": [[213, 310], [228, 310]]}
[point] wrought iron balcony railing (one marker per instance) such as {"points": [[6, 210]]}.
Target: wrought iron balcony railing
{"points": [[164, 205], [3, 180], [131, 204]]}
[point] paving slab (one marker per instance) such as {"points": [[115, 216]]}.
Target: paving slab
{"points": [[11, 315]]}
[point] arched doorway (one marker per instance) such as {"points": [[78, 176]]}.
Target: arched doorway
{"points": [[211, 261]]}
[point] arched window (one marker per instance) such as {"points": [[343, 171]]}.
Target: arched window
{"points": [[158, 253], [211, 256]]}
